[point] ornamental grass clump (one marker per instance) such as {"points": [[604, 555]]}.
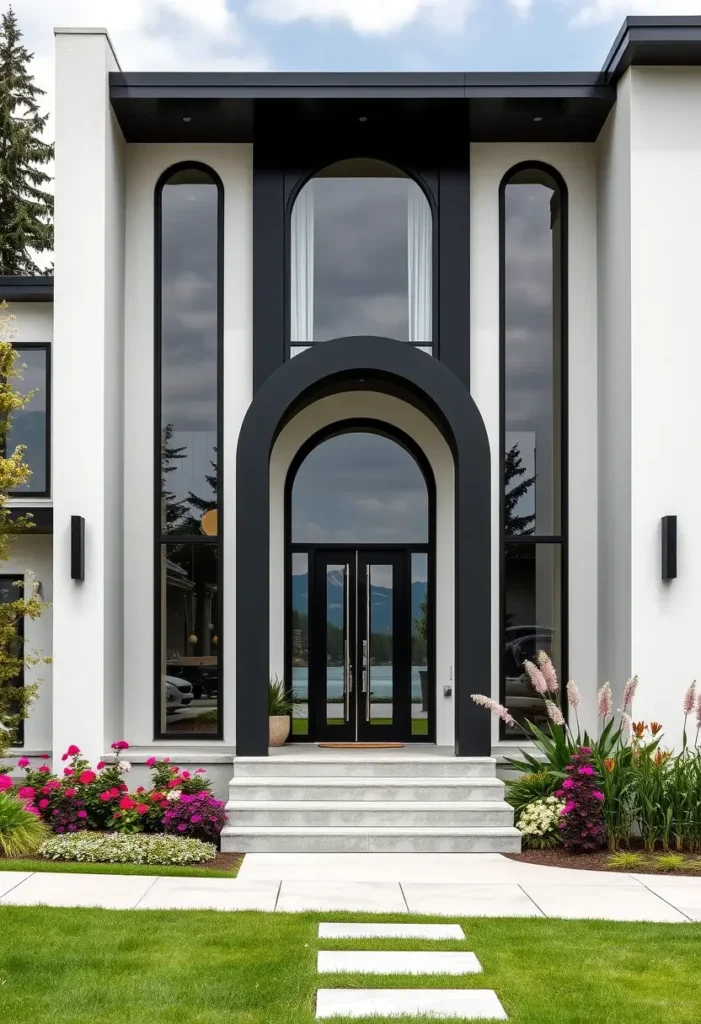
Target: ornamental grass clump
{"points": [[582, 821], [539, 821], [21, 831], [196, 814], [118, 848]]}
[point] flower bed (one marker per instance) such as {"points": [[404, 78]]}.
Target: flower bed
{"points": [[82, 799], [620, 789], [117, 848]]}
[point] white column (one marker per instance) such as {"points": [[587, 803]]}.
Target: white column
{"points": [[88, 394]]}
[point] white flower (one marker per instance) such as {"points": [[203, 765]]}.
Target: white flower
{"points": [[174, 794], [540, 817], [125, 766]]}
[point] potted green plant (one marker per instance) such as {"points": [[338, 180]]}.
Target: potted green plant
{"points": [[281, 704]]}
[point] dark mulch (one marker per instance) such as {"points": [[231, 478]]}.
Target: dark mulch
{"points": [[599, 860]]}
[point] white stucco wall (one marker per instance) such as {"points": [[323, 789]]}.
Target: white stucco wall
{"points": [[665, 131], [145, 164], [361, 404], [34, 321], [576, 162], [87, 392]]}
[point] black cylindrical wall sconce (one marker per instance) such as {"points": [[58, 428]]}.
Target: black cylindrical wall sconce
{"points": [[77, 548], [669, 547]]}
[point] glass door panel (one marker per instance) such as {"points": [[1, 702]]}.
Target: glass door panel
{"points": [[378, 659], [331, 646], [420, 682]]}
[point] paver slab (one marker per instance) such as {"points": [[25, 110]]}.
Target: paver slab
{"points": [[113, 892], [348, 961], [356, 930], [466, 1003], [375, 897], [634, 903], [469, 900], [209, 894]]}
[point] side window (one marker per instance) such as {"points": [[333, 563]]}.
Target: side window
{"points": [[31, 426]]}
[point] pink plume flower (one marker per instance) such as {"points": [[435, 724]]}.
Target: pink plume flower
{"points": [[629, 692], [690, 699], [626, 720], [497, 709], [698, 712], [554, 713], [605, 701], [548, 671], [23, 762], [574, 697], [536, 677]]}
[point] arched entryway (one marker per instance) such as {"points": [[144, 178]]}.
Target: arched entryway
{"points": [[382, 367], [359, 616]]}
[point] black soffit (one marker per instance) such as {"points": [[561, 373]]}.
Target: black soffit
{"points": [[506, 107]]}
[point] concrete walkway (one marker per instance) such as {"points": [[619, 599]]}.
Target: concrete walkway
{"points": [[450, 884]]}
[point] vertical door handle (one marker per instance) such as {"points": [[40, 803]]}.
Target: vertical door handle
{"points": [[347, 670], [367, 677]]}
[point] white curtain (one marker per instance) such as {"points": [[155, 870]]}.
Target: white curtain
{"points": [[302, 266], [420, 261]]}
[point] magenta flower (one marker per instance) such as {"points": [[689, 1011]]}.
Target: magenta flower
{"points": [[151, 762], [497, 709], [597, 794], [81, 814], [5, 782], [195, 818], [569, 806], [27, 792], [536, 677], [586, 769], [181, 828], [23, 762], [43, 803], [68, 771], [120, 745], [100, 765], [73, 750], [689, 699], [568, 784]]}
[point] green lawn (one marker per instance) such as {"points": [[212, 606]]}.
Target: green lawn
{"points": [[72, 867], [64, 966]]}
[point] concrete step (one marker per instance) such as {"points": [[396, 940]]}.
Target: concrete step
{"points": [[327, 763], [416, 814], [367, 839], [371, 789]]}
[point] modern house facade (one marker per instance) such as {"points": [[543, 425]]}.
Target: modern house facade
{"points": [[376, 383]]}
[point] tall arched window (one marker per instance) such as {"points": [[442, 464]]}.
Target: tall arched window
{"points": [[361, 256], [533, 228], [188, 304]]}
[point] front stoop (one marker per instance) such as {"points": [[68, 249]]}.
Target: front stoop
{"points": [[328, 803]]}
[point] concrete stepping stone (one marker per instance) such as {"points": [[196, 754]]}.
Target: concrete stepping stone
{"points": [[391, 931], [466, 1003], [372, 961]]}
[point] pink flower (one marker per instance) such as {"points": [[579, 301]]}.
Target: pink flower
{"points": [[569, 806], [43, 768], [548, 670], [68, 771], [82, 814], [586, 769], [44, 757], [166, 759], [605, 701], [73, 750], [573, 695], [184, 775], [43, 803], [27, 792], [126, 803], [199, 771], [100, 765], [142, 808], [70, 792], [120, 745], [567, 784], [5, 782], [151, 762], [597, 794], [195, 818], [64, 757], [554, 713], [689, 699], [181, 828], [491, 705], [698, 712], [23, 762], [626, 720], [105, 797], [536, 677], [86, 777], [629, 693], [31, 808]]}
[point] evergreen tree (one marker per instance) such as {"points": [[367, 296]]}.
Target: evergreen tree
{"points": [[174, 511], [513, 470], [203, 505], [26, 210]]}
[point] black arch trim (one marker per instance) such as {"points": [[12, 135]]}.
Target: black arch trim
{"points": [[392, 367]]}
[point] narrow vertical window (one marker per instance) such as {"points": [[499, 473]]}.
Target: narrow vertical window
{"points": [[31, 425], [533, 418], [189, 211]]}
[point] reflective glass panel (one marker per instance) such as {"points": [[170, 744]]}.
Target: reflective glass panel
{"points": [[30, 426], [337, 643], [378, 657], [359, 488], [419, 645], [300, 642], [533, 622], [361, 242], [190, 631], [533, 356], [189, 328]]}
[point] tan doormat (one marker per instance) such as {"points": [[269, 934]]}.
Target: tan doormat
{"points": [[362, 746]]}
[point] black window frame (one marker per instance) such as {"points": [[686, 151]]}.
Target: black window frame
{"points": [[45, 346], [18, 681], [553, 539], [161, 539]]}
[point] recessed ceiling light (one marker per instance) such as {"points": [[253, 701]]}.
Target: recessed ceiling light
{"points": [[363, 119], [187, 119], [537, 118]]}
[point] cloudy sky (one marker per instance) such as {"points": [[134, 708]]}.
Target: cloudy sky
{"points": [[333, 35]]}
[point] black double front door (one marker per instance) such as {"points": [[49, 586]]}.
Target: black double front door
{"points": [[360, 645]]}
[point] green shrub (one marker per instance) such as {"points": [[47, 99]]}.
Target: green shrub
{"points": [[626, 861], [671, 862], [117, 848], [20, 831], [529, 787], [539, 822], [280, 700]]}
